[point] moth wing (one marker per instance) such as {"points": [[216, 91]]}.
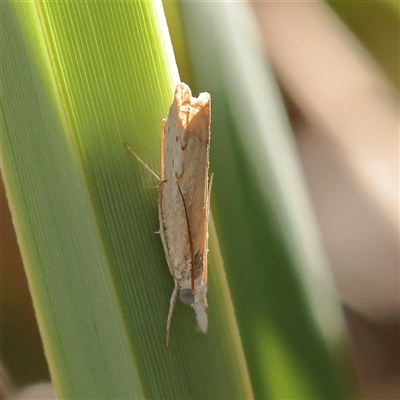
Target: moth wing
{"points": [[191, 166], [184, 191]]}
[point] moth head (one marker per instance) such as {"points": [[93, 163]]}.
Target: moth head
{"points": [[198, 301], [186, 296]]}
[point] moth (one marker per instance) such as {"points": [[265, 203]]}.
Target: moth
{"points": [[184, 198]]}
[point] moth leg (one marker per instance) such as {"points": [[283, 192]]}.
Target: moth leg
{"points": [[171, 309], [142, 162], [204, 244]]}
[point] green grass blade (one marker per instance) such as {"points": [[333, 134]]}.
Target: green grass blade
{"points": [[74, 298], [78, 80], [287, 310]]}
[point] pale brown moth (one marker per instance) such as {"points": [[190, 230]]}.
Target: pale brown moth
{"points": [[184, 198]]}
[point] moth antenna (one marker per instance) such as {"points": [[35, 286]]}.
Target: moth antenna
{"points": [[171, 309], [142, 162]]}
